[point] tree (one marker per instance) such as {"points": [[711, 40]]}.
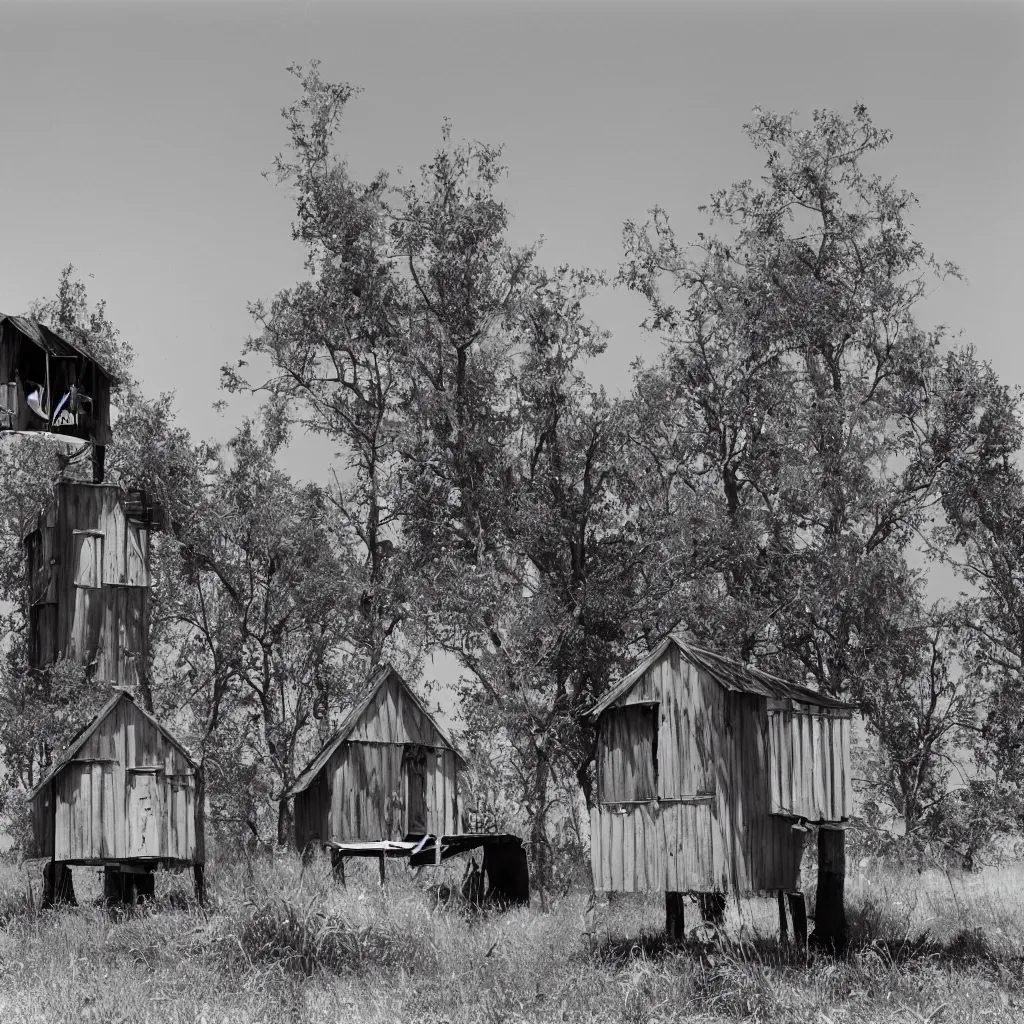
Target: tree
{"points": [[921, 721], [262, 617], [977, 441], [803, 412], [337, 347]]}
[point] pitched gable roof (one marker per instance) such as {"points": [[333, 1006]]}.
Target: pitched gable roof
{"points": [[730, 674], [88, 731], [378, 678]]}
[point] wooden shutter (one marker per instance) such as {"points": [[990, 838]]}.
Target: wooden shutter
{"points": [[88, 559], [627, 755]]}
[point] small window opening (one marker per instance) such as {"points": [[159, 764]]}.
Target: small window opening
{"points": [[628, 755]]}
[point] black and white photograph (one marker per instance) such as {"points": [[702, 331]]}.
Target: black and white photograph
{"points": [[511, 511]]}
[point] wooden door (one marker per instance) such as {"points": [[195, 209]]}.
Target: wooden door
{"points": [[144, 819], [415, 763]]}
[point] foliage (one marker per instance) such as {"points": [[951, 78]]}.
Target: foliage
{"points": [[261, 617], [70, 315], [800, 380], [338, 357], [922, 721], [977, 439]]}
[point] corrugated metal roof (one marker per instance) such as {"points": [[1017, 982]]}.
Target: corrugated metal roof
{"points": [[85, 733], [728, 673], [51, 342], [376, 680]]}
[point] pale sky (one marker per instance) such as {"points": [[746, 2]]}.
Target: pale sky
{"points": [[133, 138]]}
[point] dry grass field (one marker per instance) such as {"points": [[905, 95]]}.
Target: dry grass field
{"points": [[279, 943]]}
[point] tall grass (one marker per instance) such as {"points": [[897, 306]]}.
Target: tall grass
{"points": [[281, 942]]}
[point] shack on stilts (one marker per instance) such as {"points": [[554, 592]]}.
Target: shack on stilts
{"points": [[708, 774], [125, 796], [386, 785]]}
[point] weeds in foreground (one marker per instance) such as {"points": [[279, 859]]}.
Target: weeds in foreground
{"points": [[280, 942]]}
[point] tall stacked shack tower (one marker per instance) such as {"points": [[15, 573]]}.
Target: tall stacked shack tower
{"points": [[124, 795]]}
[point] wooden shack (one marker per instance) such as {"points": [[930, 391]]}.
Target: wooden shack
{"points": [[390, 771], [50, 384], [125, 795], [707, 773]]}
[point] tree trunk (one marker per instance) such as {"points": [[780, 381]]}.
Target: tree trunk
{"points": [[830, 928], [798, 911], [284, 821], [538, 826]]}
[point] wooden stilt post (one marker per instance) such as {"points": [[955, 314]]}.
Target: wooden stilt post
{"points": [[199, 878], [831, 931], [382, 870], [338, 867], [798, 911], [145, 886], [58, 885], [783, 923], [675, 924]]}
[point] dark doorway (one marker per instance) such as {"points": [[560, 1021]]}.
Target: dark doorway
{"points": [[415, 762]]}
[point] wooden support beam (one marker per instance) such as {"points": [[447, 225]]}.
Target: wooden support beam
{"points": [[199, 879], [831, 931], [783, 923], [382, 871], [58, 885], [119, 887], [675, 923], [338, 867], [798, 911], [145, 886]]}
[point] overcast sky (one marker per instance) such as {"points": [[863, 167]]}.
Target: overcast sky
{"points": [[133, 137]]}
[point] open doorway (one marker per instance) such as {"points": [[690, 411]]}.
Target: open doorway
{"points": [[414, 762]]}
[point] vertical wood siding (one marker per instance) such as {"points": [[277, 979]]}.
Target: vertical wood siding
{"points": [[713, 824], [90, 567], [128, 793], [810, 762]]}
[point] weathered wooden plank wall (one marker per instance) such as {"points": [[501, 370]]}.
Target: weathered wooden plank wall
{"points": [[393, 718], [809, 758], [89, 582]]}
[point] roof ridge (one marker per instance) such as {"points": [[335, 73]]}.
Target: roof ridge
{"points": [[726, 671], [383, 671]]}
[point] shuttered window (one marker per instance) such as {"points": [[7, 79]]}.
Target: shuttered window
{"points": [[88, 558], [627, 754], [135, 541]]}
